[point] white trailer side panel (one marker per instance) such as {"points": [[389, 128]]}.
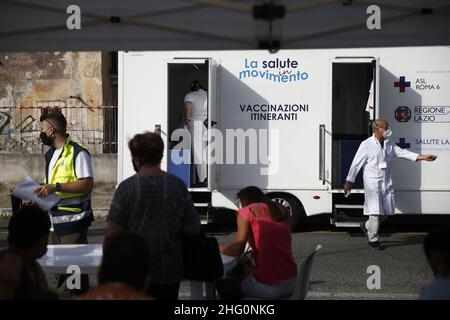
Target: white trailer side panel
{"points": [[420, 187]]}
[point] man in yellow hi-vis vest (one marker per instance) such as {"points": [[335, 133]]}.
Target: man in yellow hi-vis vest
{"points": [[69, 174]]}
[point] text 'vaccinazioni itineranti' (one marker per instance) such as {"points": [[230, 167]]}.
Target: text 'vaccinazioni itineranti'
{"points": [[274, 111]]}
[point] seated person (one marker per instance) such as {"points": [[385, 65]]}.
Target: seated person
{"points": [[266, 225], [124, 271], [437, 250], [21, 276]]}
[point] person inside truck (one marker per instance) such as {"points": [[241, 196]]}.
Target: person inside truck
{"points": [[375, 155], [195, 117], [266, 226], [437, 250]]}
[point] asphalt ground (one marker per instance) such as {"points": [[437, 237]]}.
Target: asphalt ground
{"points": [[340, 268]]}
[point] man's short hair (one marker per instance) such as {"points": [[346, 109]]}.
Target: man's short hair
{"points": [[126, 259], [148, 147], [27, 226], [438, 241], [196, 85], [57, 120]]}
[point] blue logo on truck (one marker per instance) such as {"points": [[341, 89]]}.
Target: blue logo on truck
{"points": [[403, 144], [276, 70], [402, 84]]}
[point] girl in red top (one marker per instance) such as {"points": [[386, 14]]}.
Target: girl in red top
{"points": [[266, 226]]}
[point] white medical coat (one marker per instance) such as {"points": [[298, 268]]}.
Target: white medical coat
{"points": [[377, 177], [197, 129]]}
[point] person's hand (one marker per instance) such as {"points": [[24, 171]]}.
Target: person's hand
{"points": [[45, 190], [429, 157], [347, 186], [29, 203]]}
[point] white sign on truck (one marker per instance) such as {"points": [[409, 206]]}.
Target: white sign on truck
{"points": [[290, 122]]}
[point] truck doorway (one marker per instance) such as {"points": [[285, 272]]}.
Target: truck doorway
{"points": [[352, 84], [180, 76]]}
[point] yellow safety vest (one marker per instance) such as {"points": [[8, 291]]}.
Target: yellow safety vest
{"points": [[74, 209]]}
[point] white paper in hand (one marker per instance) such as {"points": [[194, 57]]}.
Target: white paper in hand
{"points": [[25, 191]]}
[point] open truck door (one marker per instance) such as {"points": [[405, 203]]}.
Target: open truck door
{"points": [[181, 72], [355, 85], [213, 121]]}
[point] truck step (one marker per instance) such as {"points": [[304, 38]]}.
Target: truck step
{"points": [[201, 204], [349, 206], [347, 215], [205, 189], [202, 209], [346, 224]]}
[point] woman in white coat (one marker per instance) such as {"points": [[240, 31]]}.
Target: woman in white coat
{"points": [[376, 154]]}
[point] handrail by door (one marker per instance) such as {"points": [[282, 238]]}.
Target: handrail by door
{"points": [[322, 153], [158, 129]]}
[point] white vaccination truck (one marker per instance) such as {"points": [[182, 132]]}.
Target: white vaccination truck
{"points": [[291, 122]]}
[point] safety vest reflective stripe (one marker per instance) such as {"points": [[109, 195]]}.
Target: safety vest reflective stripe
{"points": [[74, 201], [70, 217], [69, 209]]}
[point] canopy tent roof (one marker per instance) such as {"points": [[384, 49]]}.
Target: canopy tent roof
{"points": [[216, 24]]}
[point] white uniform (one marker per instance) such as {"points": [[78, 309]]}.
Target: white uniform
{"points": [[378, 189], [199, 101], [377, 163]]}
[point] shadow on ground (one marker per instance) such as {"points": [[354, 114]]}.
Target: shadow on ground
{"points": [[225, 222]]}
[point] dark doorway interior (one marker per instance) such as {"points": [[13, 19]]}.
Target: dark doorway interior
{"points": [[350, 120]]}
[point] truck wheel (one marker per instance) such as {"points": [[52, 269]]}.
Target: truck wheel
{"points": [[291, 204]]}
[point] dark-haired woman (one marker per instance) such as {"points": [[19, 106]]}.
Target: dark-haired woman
{"points": [[157, 206], [266, 226]]}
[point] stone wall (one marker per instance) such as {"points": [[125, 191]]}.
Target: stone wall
{"points": [[37, 82], [42, 77]]}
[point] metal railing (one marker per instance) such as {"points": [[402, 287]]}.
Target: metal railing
{"points": [[93, 126]]}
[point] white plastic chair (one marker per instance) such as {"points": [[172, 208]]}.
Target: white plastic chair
{"points": [[302, 281]]}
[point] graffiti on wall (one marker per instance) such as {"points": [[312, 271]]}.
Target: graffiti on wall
{"points": [[19, 128], [19, 134]]}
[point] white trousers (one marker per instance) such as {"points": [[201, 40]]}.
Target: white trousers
{"points": [[373, 226], [198, 133]]}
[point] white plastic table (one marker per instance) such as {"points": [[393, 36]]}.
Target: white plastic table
{"points": [[59, 257], [88, 258]]}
